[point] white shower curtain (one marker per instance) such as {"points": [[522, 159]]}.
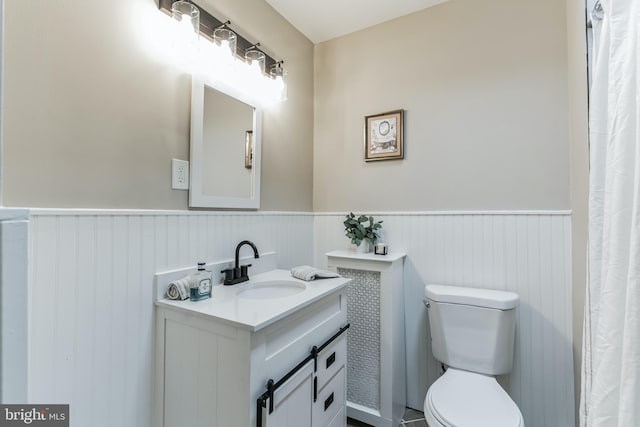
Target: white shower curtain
{"points": [[611, 350]]}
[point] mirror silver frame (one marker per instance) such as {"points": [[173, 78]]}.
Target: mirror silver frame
{"points": [[197, 198]]}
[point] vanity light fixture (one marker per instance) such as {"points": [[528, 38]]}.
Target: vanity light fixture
{"points": [[187, 15], [226, 39], [220, 59], [209, 23], [253, 74], [279, 75], [255, 58]]}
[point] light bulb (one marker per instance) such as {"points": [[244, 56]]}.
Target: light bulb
{"points": [[279, 84], [186, 24], [187, 17], [255, 59], [224, 45], [279, 76], [226, 39]]}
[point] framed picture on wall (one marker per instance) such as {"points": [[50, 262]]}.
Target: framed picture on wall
{"points": [[384, 136], [248, 149]]}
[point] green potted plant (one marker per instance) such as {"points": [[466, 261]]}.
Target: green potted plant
{"points": [[361, 230]]}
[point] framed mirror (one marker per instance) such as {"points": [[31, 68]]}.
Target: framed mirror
{"points": [[226, 130]]}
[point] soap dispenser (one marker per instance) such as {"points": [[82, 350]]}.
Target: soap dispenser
{"points": [[200, 284]]}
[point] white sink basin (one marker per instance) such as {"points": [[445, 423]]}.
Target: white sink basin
{"points": [[272, 289]]}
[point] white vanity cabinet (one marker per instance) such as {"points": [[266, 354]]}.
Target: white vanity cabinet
{"points": [[212, 367]]}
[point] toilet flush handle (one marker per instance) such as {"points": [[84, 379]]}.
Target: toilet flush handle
{"points": [[426, 303]]}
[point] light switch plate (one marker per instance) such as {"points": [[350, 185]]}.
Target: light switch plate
{"points": [[179, 174]]}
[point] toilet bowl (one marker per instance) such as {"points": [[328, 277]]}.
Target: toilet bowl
{"points": [[460, 398], [473, 334]]}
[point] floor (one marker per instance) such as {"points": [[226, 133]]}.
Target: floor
{"points": [[412, 418]]}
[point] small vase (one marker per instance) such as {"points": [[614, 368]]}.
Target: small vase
{"points": [[363, 248]]}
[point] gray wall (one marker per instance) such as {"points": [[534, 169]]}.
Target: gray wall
{"points": [[93, 116], [484, 86]]}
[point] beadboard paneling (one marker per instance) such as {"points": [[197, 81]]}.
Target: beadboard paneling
{"points": [[91, 283], [14, 320], [91, 302], [525, 253]]}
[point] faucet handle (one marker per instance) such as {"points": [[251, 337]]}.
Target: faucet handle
{"points": [[228, 275], [244, 270]]}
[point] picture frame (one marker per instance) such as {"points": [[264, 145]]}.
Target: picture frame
{"points": [[248, 149], [384, 136]]}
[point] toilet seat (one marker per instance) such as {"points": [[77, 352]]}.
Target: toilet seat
{"points": [[466, 399]]}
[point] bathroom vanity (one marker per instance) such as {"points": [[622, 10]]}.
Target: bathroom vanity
{"points": [[215, 358]]}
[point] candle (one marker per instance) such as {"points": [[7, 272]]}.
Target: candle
{"points": [[380, 249]]}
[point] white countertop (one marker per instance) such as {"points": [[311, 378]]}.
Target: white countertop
{"points": [[254, 314], [368, 256]]}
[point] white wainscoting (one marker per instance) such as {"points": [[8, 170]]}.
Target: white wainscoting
{"points": [[528, 253], [14, 320], [91, 284]]}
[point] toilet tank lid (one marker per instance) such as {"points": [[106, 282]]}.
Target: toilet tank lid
{"points": [[500, 300]]}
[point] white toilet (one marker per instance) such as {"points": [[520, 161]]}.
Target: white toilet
{"points": [[472, 334]]}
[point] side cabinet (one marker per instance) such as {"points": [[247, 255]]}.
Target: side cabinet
{"points": [[376, 387]]}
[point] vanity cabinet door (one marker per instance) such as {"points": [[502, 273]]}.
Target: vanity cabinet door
{"points": [[292, 402]]}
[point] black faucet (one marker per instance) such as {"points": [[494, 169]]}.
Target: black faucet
{"points": [[240, 273]]}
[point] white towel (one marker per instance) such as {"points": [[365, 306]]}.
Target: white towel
{"points": [[179, 289], [306, 272]]}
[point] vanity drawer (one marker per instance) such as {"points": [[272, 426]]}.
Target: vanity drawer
{"points": [[331, 359], [331, 400]]}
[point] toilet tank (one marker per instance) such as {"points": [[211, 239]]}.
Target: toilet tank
{"points": [[472, 329]]}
